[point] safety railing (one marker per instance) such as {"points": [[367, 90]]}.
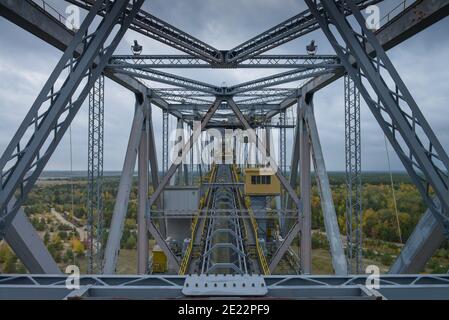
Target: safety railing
{"points": [[54, 13], [247, 205], [203, 203], [401, 7]]}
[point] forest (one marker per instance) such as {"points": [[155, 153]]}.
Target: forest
{"points": [[386, 223]]}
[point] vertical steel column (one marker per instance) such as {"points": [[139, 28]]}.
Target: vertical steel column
{"points": [[353, 176], [179, 143], [164, 141], [142, 230], [390, 101], [192, 154], [95, 177], [186, 167], [306, 186], [421, 245], [124, 189], [168, 176], [295, 157], [52, 112], [327, 203], [28, 246], [283, 142]]}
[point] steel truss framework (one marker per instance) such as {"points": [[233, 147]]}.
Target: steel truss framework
{"points": [[392, 287], [353, 154], [224, 225], [95, 216], [87, 56], [54, 109], [393, 107]]}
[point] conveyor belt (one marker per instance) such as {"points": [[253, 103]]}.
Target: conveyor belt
{"points": [[224, 232]]}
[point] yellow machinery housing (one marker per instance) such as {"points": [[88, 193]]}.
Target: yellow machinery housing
{"points": [[159, 260], [261, 182]]}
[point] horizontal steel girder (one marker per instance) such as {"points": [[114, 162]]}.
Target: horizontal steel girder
{"points": [[259, 62], [186, 83], [55, 108], [416, 18], [286, 31], [157, 29], [392, 287]]}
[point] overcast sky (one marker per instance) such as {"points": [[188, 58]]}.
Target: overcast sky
{"points": [[26, 62]]}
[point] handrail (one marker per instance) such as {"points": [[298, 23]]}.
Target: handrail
{"points": [[54, 13], [389, 16], [261, 255], [203, 202]]}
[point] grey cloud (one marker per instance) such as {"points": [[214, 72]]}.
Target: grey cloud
{"points": [[26, 62]]}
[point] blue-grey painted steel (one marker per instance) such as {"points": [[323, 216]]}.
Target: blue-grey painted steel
{"points": [[124, 188], [224, 286], [353, 157], [167, 78], [398, 30], [327, 203], [142, 196], [404, 26], [393, 287], [394, 108], [165, 141], [183, 82], [223, 254], [174, 260], [290, 29], [95, 154], [157, 29], [28, 246], [421, 245], [259, 62], [25, 157], [277, 79], [305, 183]]}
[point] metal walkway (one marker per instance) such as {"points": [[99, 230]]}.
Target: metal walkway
{"points": [[224, 232], [391, 287]]}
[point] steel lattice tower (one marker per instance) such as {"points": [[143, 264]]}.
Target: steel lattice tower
{"points": [[95, 176], [353, 176], [164, 141], [283, 142]]}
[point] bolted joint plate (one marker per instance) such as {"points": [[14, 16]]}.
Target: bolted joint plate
{"points": [[225, 285]]}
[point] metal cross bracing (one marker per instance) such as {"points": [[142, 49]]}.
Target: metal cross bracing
{"points": [[419, 160], [290, 29], [186, 83], [157, 29], [392, 287], [424, 240], [165, 132], [353, 156], [224, 249], [170, 79], [51, 114], [248, 99], [390, 101], [283, 142], [262, 61], [95, 217]]}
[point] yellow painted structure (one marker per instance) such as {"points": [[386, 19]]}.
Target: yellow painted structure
{"points": [[261, 182], [159, 260]]}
